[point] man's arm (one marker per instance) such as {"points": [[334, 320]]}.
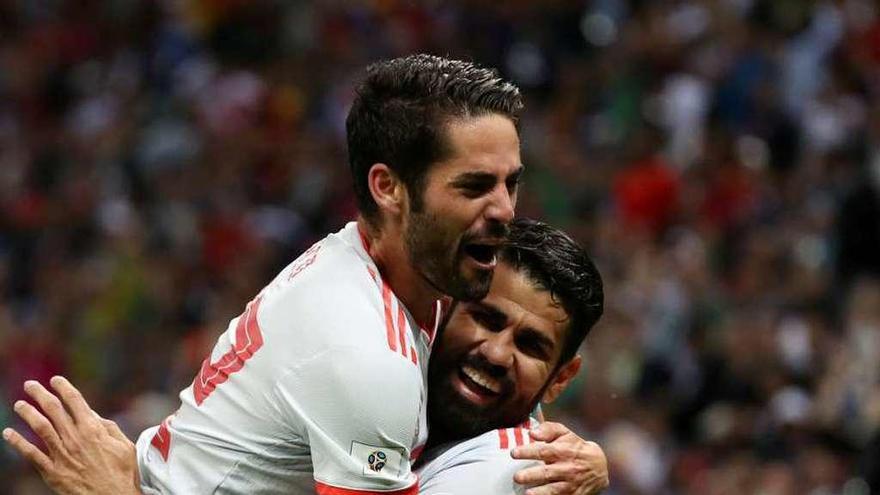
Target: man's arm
{"points": [[360, 407], [86, 454]]}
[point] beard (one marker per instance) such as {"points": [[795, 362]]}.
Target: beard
{"points": [[436, 252], [455, 417]]}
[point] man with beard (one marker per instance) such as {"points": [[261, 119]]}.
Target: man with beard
{"points": [[288, 401], [499, 356], [494, 360]]}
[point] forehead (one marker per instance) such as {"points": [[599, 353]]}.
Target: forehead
{"points": [[524, 305], [486, 143], [517, 295]]}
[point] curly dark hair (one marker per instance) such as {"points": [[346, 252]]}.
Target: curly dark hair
{"points": [[555, 262], [401, 108]]}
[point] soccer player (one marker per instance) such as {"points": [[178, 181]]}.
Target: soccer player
{"points": [[289, 400], [498, 357], [495, 359]]}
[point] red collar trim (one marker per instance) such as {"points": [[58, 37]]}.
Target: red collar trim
{"points": [[364, 241]]}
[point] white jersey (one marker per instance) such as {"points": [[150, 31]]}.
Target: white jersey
{"points": [[319, 386], [479, 466]]}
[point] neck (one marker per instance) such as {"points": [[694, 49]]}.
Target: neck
{"points": [[437, 437], [388, 250]]}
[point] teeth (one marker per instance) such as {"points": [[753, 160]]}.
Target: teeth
{"points": [[479, 377]]}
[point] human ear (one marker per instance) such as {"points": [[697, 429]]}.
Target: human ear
{"points": [[386, 188], [562, 379]]}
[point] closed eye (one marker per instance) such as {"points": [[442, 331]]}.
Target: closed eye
{"points": [[475, 185], [514, 182], [488, 317], [534, 344]]}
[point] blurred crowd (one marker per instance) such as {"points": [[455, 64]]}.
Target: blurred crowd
{"points": [[161, 160]]}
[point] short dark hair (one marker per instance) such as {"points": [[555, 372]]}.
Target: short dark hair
{"points": [[556, 263], [399, 112]]}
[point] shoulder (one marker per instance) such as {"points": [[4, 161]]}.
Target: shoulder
{"points": [[331, 301], [357, 374], [491, 444], [331, 267], [350, 393], [328, 288], [482, 463]]}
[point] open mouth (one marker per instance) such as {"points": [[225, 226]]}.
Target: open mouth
{"points": [[483, 254], [479, 383]]}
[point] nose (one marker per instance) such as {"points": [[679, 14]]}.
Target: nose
{"points": [[498, 349], [501, 209]]}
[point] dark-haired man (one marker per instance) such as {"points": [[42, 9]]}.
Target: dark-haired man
{"points": [[499, 356], [494, 360], [324, 372]]}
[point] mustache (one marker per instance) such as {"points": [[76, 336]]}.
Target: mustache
{"points": [[480, 363], [492, 230]]}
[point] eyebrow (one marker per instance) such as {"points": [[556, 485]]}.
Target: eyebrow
{"points": [[495, 313], [542, 339], [497, 316], [483, 177]]}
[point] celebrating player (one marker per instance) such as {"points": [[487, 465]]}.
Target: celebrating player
{"points": [[498, 357], [288, 401], [495, 359]]}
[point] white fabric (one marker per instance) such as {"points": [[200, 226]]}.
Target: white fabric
{"points": [[479, 466], [321, 393]]}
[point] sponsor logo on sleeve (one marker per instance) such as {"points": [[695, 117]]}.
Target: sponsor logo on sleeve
{"points": [[378, 461]]}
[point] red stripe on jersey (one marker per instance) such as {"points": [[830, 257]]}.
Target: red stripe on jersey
{"points": [[323, 489], [248, 340], [445, 304], [416, 452], [527, 424], [502, 437], [364, 241], [389, 319], [518, 436], [162, 439], [401, 328], [412, 355]]}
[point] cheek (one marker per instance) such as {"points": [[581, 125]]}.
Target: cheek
{"points": [[446, 222], [458, 211], [533, 374], [456, 335], [458, 220]]}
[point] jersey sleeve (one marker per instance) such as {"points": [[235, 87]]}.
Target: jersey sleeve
{"points": [[359, 408], [479, 465], [489, 475]]}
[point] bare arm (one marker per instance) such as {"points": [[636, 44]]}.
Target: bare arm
{"points": [[572, 465], [87, 454]]}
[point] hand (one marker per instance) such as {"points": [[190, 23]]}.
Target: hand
{"points": [[87, 454], [572, 465]]}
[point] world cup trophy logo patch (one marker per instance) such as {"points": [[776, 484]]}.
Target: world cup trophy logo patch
{"points": [[377, 460]]}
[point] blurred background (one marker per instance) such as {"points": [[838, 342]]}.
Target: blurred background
{"points": [[161, 160]]}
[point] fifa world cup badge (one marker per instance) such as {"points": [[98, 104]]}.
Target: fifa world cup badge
{"points": [[377, 460], [380, 461]]}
